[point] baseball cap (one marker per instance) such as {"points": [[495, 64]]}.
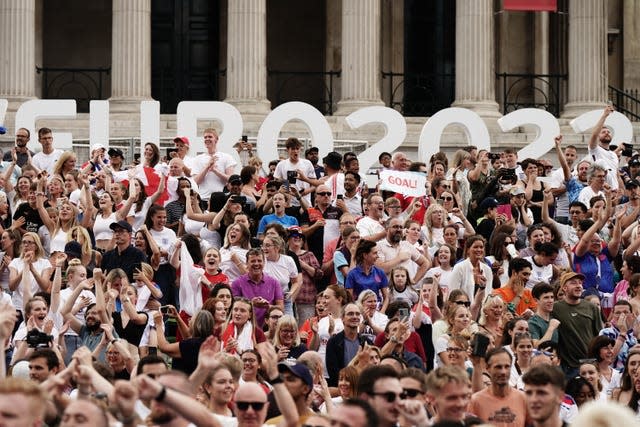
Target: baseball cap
{"points": [[631, 183], [570, 275], [121, 224], [182, 139], [235, 179], [73, 249], [515, 191], [489, 202], [634, 162], [299, 370], [115, 152]]}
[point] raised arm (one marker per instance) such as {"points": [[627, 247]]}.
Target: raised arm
{"points": [[583, 245], [44, 215], [593, 141]]}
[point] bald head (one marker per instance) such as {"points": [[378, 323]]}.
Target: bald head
{"points": [[248, 398]]}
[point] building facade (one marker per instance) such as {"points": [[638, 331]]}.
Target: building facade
{"points": [[414, 56]]}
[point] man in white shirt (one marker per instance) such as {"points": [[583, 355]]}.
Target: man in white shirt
{"points": [[599, 148], [370, 226], [557, 185], [286, 170], [182, 144], [47, 158], [212, 169]]}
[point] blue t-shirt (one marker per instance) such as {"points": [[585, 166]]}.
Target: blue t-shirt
{"points": [[359, 281], [595, 278], [286, 221]]}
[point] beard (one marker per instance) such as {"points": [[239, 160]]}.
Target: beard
{"points": [[93, 326]]}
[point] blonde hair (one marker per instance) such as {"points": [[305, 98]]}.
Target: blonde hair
{"points": [[39, 249], [286, 320], [74, 266], [86, 240]]}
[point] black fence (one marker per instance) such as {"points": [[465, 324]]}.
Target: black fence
{"points": [[81, 84], [626, 101], [544, 91]]}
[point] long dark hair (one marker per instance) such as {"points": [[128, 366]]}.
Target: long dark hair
{"points": [[154, 209], [156, 154]]}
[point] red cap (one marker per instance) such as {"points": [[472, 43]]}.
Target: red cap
{"points": [[182, 139]]}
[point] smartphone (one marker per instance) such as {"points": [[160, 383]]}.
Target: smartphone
{"points": [[292, 177], [340, 197], [164, 309], [428, 280], [136, 158], [59, 202], [403, 312], [440, 202], [244, 138], [479, 345]]}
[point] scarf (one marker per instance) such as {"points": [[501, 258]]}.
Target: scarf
{"points": [[245, 338]]}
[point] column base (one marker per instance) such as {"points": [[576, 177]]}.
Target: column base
{"points": [[488, 109], [126, 105], [574, 109], [348, 106], [16, 101], [250, 106]]}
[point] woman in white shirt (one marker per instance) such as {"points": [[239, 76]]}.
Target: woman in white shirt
{"points": [[166, 239], [31, 262], [233, 255], [282, 268], [472, 275]]}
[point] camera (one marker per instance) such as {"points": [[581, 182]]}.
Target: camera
{"points": [[494, 156], [628, 149], [37, 339], [506, 175]]}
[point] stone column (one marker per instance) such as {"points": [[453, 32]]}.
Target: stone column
{"points": [[588, 68], [475, 74], [130, 54], [247, 56], [17, 47], [631, 44], [360, 55]]}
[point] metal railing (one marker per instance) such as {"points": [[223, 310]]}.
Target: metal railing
{"points": [[419, 94], [130, 146], [81, 84], [626, 101], [318, 84], [533, 91]]}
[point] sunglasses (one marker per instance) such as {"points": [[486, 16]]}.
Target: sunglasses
{"points": [[465, 303], [447, 199], [256, 406], [324, 193], [390, 396], [411, 392]]}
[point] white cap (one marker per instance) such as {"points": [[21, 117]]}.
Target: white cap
{"points": [[95, 147]]}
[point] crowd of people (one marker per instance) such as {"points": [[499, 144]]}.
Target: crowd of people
{"points": [[176, 292]]}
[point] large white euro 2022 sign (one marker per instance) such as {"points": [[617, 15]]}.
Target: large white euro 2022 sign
{"points": [[231, 126]]}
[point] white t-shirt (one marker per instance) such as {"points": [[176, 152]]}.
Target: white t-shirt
{"points": [[282, 270], [165, 239], [211, 182], [324, 335], [539, 273], [368, 226], [64, 297], [19, 266], [46, 161], [305, 166], [227, 266], [586, 194]]}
